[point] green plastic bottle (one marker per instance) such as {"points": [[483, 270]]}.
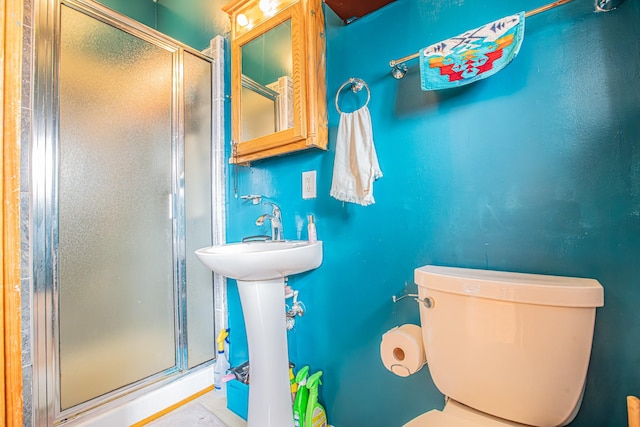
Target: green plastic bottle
{"points": [[316, 416], [302, 396]]}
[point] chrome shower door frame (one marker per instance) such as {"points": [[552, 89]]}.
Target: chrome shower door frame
{"points": [[44, 211]]}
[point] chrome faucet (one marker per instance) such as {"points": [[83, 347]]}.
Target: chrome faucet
{"points": [[277, 231]]}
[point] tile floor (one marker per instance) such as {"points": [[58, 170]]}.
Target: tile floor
{"points": [[208, 410]]}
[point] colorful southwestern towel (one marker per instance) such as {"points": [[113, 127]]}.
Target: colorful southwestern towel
{"points": [[473, 55]]}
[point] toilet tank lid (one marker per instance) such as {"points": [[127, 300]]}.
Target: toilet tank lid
{"points": [[517, 287]]}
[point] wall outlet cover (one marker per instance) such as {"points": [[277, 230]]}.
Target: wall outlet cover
{"points": [[309, 185]]}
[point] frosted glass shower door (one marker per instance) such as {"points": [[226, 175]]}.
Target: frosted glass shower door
{"points": [[115, 215]]}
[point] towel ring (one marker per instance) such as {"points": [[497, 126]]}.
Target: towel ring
{"points": [[356, 86]]}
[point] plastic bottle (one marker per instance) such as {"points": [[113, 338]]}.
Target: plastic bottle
{"points": [[302, 395], [292, 380], [311, 229], [315, 415], [222, 364]]}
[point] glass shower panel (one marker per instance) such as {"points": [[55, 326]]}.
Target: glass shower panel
{"points": [[115, 220], [198, 205]]}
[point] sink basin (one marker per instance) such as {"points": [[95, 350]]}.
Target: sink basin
{"points": [[260, 268], [258, 261]]}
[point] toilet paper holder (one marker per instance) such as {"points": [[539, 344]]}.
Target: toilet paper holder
{"points": [[428, 302]]}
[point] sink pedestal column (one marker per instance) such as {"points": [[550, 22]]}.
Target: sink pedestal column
{"points": [[263, 307]]}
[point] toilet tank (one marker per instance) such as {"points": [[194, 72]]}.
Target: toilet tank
{"points": [[512, 345]]}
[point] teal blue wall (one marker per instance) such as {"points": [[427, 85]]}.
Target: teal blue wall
{"points": [[536, 169], [193, 22], [142, 11]]}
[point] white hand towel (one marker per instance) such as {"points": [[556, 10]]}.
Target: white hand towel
{"points": [[356, 163]]}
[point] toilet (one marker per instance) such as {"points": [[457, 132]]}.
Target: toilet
{"points": [[506, 349]]}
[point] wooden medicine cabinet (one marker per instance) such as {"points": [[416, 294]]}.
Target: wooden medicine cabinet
{"points": [[278, 89]]}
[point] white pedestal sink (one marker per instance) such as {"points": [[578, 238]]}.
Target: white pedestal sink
{"points": [[260, 269]]}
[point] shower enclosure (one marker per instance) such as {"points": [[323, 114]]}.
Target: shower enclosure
{"points": [[122, 167]]}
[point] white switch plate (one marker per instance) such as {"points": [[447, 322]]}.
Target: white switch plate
{"points": [[309, 185]]}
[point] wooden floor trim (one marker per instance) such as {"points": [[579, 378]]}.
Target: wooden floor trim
{"points": [[173, 407], [11, 29]]}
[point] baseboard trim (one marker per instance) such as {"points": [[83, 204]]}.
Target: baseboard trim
{"points": [[173, 407]]}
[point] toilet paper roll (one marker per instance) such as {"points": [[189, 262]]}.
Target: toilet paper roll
{"points": [[401, 350]]}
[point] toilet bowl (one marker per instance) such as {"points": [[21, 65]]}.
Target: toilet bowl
{"points": [[456, 414], [507, 349]]}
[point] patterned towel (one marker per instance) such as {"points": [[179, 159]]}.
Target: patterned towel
{"points": [[473, 55]]}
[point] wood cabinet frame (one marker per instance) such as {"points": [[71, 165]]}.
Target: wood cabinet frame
{"points": [[308, 74]]}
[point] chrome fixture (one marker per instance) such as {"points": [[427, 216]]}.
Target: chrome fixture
{"points": [[607, 5], [254, 198], [297, 309], [277, 231], [396, 299], [256, 238], [428, 302], [356, 86], [398, 71]]}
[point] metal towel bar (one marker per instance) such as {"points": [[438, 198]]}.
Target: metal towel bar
{"points": [[399, 68]]}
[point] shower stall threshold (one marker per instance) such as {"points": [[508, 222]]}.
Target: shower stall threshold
{"points": [[151, 403]]}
